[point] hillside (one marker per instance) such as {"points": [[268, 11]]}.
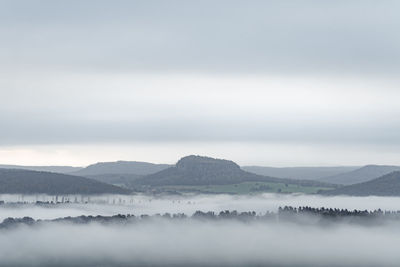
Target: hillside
{"points": [[121, 167], [360, 175], [198, 170], [124, 180], [13, 181], [58, 169], [387, 185], [305, 173]]}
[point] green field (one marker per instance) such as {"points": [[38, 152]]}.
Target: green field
{"points": [[245, 188]]}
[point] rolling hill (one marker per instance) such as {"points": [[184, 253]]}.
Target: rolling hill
{"points": [[387, 185], [14, 181], [305, 173], [121, 167], [58, 169], [198, 170], [124, 180], [361, 175]]}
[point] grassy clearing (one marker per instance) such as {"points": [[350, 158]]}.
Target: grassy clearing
{"points": [[246, 188]]}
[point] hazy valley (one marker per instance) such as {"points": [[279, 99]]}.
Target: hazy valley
{"points": [[128, 212], [165, 133]]}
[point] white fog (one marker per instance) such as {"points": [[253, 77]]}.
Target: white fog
{"points": [[141, 204], [164, 243]]}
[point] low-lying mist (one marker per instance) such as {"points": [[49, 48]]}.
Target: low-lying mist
{"points": [[141, 204], [163, 242]]}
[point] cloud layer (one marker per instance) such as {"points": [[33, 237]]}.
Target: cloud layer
{"points": [[239, 36], [310, 73]]}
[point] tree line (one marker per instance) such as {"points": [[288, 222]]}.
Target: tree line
{"points": [[284, 214]]}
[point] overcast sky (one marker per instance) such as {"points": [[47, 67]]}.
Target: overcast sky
{"points": [[278, 83]]}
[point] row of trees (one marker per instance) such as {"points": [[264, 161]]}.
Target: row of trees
{"points": [[330, 212], [284, 214]]}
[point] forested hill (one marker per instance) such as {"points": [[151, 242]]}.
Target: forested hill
{"points": [[198, 170], [387, 185], [14, 181]]}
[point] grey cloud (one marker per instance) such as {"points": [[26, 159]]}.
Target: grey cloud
{"points": [[202, 36], [34, 130], [96, 39]]}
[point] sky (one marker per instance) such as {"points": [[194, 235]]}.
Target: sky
{"points": [[274, 83]]}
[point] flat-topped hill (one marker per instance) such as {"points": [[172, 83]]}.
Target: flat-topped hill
{"points": [[199, 170]]}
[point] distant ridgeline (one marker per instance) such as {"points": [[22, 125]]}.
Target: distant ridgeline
{"points": [[14, 181], [198, 174], [287, 214], [191, 174], [387, 185]]}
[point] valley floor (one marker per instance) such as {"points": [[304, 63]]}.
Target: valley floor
{"points": [[243, 188]]}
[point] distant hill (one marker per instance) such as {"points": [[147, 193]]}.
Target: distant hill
{"points": [[360, 175], [121, 167], [125, 180], [13, 181], [387, 185], [307, 173], [58, 169], [198, 170]]}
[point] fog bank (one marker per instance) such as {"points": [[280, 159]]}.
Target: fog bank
{"points": [[159, 242], [140, 204]]}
